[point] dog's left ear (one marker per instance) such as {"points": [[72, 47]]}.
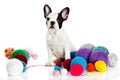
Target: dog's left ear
{"points": [[64, 13]]}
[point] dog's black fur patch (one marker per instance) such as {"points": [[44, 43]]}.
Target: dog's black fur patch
{"points": [[60, 20], [44, 9]]}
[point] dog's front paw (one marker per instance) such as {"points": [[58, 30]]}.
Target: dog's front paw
{"points": [[67, 57], [50, 63]]}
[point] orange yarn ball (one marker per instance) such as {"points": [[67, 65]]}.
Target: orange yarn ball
{"points": [[8, 52], [90, 67]]}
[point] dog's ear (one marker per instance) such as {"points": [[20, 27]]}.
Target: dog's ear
{"points": [[47, 10], [64, 13]]}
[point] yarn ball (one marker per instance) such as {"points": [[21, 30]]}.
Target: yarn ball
{"points": [[72, 54], [21, 57], [32, 54], [58, 63], [63, 71], [66, 64], [84, 52], [14, 67], [21, 51], [101, 48], [57, 68], [8, 52], [56, 73], [98, 55], [24, 69], [112, 59], [79, 60], [90, 67], [76, 69], [24, 65], [100, 66], [88, 45]]}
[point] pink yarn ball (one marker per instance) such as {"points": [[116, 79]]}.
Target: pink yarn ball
{"points": [[34, 56], [76, 70], [56, 73]]}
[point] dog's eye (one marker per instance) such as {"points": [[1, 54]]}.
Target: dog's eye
{"points": [[48, 19]]}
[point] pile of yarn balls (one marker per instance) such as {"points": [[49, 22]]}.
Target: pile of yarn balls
{"points": [[17, 61], [87, 58]]}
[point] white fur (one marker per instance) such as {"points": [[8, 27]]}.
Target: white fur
{"points": [[52, 17], [59, 45]]}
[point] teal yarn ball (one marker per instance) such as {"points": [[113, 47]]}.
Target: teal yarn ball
{"points": [[57, 68], [79, 60], [101, 48]]}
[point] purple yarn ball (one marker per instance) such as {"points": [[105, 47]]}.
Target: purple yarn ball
{"points": [[98, 55], [84, 52]]}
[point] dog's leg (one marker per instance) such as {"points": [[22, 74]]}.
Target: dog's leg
{"points": [[67, 53], [51, 57]]}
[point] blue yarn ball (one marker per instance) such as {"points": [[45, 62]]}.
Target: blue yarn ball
{"points": [[24, 64], [72, 54], [101, 48], [79, 60], [24, 69], [57, 68]]}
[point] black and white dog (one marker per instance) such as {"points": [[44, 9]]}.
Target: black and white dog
{"points": [[59, 45]]}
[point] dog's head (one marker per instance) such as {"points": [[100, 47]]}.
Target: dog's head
{"points": [[54, 20]]}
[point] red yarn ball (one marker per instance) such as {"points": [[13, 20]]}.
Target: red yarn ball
{"points": [[66, 64], [90, 67], [58, 63], [21, 57], [76, 69]]}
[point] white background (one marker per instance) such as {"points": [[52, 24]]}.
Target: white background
{"points": [[22, 25]]}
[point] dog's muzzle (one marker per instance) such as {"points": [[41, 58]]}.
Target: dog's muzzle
{"points": [[51, 27]]}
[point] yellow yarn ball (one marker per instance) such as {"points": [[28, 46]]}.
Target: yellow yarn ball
{"points": [[100, 66]]}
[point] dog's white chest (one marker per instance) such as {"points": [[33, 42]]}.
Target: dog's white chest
{"points": [[56, 44]]}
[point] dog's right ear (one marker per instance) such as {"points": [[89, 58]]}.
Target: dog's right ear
{"points": [[47, 10]]}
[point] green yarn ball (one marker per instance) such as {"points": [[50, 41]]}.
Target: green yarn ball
{"points": [[20, 51]]}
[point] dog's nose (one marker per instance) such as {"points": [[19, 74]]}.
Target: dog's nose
{"points": [[52, 22]]}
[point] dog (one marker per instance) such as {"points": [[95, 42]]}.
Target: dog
{"points": [[59, 45]]}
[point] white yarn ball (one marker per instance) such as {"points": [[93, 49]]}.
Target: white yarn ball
{"points": [[14, 67], [88, 45], [64, 71], [15, 78], [112, 59]]}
